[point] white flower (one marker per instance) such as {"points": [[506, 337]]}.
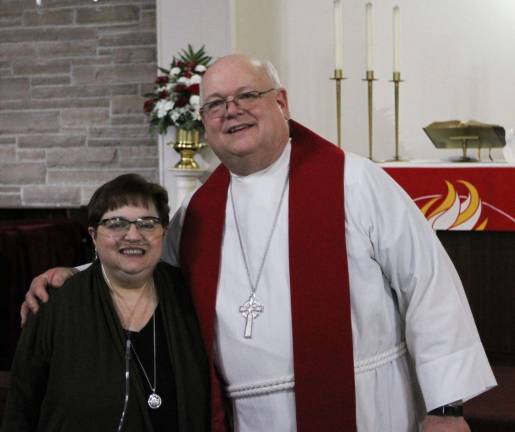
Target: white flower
{"points": [[175, 71], [195, 79], [183, 80], [196, 115], [195, 100], [163, 107], [174, 115], [158, 108], [200, 68]]}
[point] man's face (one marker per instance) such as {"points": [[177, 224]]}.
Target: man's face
{"points": [[245, 140]]}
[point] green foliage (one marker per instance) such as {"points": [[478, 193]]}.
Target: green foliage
{"points": [[189, 55]]}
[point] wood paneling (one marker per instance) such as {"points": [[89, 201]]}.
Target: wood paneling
{"points": [[486, 264]]}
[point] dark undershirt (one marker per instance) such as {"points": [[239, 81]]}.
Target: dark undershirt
{"points": [[163, 418]]}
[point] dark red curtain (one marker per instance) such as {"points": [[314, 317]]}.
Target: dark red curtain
{"points": [[28, 248]]}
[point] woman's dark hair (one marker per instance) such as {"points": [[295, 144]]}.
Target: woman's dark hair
{"points": [[128, 189]]}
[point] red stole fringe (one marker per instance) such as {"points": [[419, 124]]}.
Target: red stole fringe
{"points": [[319, 280]]}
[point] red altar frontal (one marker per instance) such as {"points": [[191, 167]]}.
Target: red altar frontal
{"points": [[461, 197]]}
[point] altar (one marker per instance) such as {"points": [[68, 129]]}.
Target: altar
{"points": [[460, 196]]}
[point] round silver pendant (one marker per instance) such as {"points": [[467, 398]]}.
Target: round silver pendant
{"points": [[154, 401]]}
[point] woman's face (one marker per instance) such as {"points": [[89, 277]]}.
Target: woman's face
{"points": [[129, 256]]}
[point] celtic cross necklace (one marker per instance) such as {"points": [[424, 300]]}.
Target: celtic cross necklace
{"points": [[251, 308]]}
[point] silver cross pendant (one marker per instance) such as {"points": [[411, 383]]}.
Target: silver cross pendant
{"points": [[250, 310]]}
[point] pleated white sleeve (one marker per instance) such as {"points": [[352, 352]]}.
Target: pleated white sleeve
{"points": [[438, 326]]}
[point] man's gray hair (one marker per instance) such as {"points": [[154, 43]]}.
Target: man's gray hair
{"points": [[267, 65], [271, 72]]}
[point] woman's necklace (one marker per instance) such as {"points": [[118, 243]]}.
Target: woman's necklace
{"points": [[154, 400], [127, 318]]}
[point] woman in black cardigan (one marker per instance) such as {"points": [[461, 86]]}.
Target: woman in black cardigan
{"points": [[119, 348]]}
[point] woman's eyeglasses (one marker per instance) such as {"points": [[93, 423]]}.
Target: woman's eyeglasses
{"points": [[120, 225]]}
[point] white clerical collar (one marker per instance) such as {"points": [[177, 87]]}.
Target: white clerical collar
{"points": [[277, 167]]}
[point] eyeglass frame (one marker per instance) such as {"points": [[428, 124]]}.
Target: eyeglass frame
{"points": [[227, 100], [136, 222]]}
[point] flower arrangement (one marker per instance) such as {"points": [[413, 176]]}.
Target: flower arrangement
{"points": [[175, 100]]}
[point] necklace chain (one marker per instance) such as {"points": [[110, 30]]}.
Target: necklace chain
{"points": [[126, 322], [251, 308], [253, 286], [153, 388], [154, 400]]}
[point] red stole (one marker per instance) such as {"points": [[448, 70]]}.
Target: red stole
{"points": [[319, 280]]}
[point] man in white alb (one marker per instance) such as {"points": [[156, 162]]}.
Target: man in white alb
{"points": [[284, 236]]}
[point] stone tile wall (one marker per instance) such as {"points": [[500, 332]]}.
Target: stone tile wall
{"points": [[72, 76]]}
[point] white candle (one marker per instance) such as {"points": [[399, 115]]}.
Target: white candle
{"points": [[338, 34], [370, 37], [396, 67]]}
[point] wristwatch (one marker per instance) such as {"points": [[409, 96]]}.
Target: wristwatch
{"points": [[454, 409]]}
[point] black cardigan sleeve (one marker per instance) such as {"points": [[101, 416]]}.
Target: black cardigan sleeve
{"points": [[29, 373]]}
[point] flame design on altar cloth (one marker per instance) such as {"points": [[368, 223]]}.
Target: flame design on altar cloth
{"points": [[455, 212]]}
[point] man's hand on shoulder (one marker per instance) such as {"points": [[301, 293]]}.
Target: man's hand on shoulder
{"points": [[38, 289], [444, 424]]}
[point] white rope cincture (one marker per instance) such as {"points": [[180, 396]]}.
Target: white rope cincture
{"points": [[262, 388], [380, 359], [288, 382]]}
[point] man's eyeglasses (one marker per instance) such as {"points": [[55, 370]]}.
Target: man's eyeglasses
{"points": [[120, 225], [218, 107]]}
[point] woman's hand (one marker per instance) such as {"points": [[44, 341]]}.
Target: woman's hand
{"points": [[54, 278]]}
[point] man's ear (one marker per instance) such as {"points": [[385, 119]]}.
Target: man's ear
{"points": [[282, 101]]}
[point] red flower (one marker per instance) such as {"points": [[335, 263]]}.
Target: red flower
{"points": [[194, 89], [181, 101], [187, 73], [163, 95], [179, 88], [148, 106], [162, 80]]}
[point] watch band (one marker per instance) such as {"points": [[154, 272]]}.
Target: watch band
{"points": [[448, 411]]}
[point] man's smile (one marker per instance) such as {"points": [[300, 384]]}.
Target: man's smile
{"points": [[238, 128]]}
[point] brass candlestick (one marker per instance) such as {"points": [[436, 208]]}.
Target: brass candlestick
{"points": [[338, 77], [396, 81], [370, 81]]}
